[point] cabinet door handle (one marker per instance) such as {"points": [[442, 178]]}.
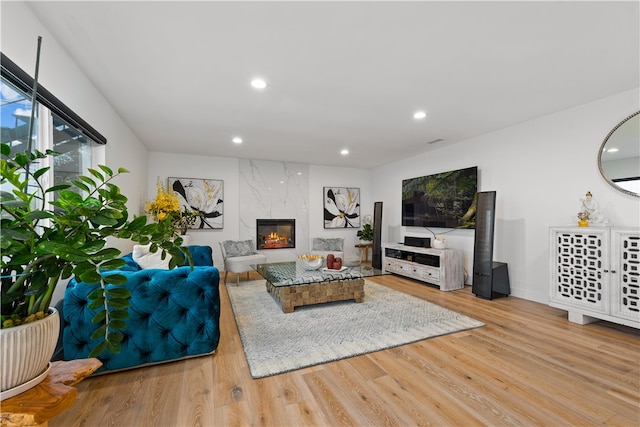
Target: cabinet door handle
{"points": [[606, 271]]}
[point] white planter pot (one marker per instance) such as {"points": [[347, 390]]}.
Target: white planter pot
{"points": [[26, 352]]}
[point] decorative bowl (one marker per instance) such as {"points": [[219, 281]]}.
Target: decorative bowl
{"points": [[311, 262]]}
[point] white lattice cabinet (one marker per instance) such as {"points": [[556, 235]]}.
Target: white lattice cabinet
{"points": [[595, 274]]}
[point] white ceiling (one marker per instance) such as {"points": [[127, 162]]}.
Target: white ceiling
{"points": [[343, 74]]}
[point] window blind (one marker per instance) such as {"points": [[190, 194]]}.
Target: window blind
{"points": [[23, 81]]}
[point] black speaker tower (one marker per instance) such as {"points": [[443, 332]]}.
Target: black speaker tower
{"points": [[490, 279], [376, 257]]}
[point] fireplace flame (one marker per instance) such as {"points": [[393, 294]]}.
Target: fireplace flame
{"points": [[275, 233], [274, 240]]}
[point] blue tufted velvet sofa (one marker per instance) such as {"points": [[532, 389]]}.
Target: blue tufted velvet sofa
{"points": [[174, 314]]}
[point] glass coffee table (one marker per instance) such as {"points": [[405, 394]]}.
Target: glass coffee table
{"points": [[294, 286]]}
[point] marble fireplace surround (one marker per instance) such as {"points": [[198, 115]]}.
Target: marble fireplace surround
{"points": [[274, 190]]}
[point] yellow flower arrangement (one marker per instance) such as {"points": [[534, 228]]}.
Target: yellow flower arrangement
{"points": [[165, 205]]}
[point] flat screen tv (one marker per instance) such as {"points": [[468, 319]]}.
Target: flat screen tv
{"points": [[444, 200]]}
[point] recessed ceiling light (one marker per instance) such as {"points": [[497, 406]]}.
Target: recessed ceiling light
{"points": [[612, 150], [258, 83], [344, 152], [237, 140], [419, 115]]}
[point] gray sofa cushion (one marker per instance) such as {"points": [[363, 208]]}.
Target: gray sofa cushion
{"points": [[327, 244], [234, 248]]}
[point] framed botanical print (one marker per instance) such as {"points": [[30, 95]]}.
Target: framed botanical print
{"points": [[341, 207], [204, 198]]}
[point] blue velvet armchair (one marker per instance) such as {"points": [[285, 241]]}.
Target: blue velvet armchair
{"points": [[174, 314]]}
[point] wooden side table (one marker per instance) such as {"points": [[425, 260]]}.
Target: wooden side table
{"points": [[364, 250], [35, 407]]}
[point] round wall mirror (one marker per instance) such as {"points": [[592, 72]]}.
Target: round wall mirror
{"points": [[619, 156]]}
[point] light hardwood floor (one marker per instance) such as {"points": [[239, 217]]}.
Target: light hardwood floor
{"points": [[528, 366]]}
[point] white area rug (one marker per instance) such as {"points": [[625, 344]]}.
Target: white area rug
{"points": [[275, 342]]}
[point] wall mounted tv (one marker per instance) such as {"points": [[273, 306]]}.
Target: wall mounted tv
{"points": [[444, 200]]}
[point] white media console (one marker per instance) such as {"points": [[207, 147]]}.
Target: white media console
{"points": [[441, 267]]}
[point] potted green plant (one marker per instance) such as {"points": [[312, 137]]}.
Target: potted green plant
{"points": [[366, 233], [43, 243]]}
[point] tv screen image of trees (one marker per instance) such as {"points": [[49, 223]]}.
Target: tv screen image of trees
{"points": [[445, 200]]}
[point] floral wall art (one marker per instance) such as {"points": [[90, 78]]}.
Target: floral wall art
{"points": [[203, 197], [341, 207]]}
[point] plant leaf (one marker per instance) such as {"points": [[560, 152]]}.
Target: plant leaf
{"points": [[99, 333], [118, 293], [99, 317], [37, 215], [94, 246], [70, 196], [118, 303], [113, 264], [67, 271], [106, 254], [81, 185], [96, 174], [57, 188], [87, 180], [100, 219], [117, 324], [113, 347], [96, 304], [98, 350], [37, 174], [115, 279], [137, 223], [106, 170], [63, 250], [119, 314]]}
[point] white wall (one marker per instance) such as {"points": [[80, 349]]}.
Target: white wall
{"points": [[19, 31], [323, 176], [247, 195], [540, 169], [59, 74]]}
